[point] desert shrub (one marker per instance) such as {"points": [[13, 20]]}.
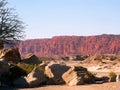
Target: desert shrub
{"points": [[26, 67], [99, 57], [46, 58], [113, 57], [81, 57], [65, 58], [91, 74], [112, 74]]}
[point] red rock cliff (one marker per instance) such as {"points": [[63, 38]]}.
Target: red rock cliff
{"points": [[72, 45]]}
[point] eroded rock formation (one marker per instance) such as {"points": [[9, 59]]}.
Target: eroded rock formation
{"points": [[72, 45]]}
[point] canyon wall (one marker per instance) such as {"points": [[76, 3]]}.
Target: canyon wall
{"points": [[72, 45]]}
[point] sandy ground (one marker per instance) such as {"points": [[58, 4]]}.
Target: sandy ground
{"points": [[105, 86]]}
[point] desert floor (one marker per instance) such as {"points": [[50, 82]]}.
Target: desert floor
{"points": [[104, 86]]}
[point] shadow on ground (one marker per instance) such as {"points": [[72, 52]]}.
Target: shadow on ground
{"points": [[7, 88]]}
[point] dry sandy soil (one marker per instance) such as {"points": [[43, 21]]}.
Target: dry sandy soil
{"points": [[105, 86]]}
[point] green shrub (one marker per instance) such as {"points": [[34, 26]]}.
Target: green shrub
{"points": [[112, 74], [65, 58]]}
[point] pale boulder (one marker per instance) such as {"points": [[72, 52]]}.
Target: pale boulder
{"points": [[36, 78], [11, 55], [31, 59], [77, 76], [118, 78], [55, 72]]}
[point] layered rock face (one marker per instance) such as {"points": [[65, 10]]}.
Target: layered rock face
{"points": [[72, 45], [31, 59], [55, 72], [36, 78], [77, 76]]}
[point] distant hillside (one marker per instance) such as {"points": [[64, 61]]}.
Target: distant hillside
{"points": [[72, 45]]}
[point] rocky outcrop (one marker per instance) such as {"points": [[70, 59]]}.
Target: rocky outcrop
{"points": [[55, 72], [36, 78], [31, 59], [7, 58], [77, 76], [72, 45], [11, 55], [118, 78]]}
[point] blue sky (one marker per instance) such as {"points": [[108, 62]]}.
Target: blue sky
{"points": [[47, 18]]}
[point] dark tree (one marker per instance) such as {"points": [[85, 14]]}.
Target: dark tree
{"points": [[11, 27]]}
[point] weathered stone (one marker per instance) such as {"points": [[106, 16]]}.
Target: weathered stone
{"points": [[55, 72], [76, 76], [11, 55], [36, 78], [31, 59], [118, 78]]}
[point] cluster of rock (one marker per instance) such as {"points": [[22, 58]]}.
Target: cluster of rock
{"points": [[42, 74]]}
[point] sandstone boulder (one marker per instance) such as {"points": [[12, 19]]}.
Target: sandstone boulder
{"points": [[11, 55], [77, 75], [118, 78], [55, 72], [31, 59], [36, 78]]}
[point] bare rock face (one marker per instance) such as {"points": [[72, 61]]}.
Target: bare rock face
{"points": [[118, 78], [10, 55], [55, 72], [72, 45], [77, 76], [36, 78], [31, 59]]}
